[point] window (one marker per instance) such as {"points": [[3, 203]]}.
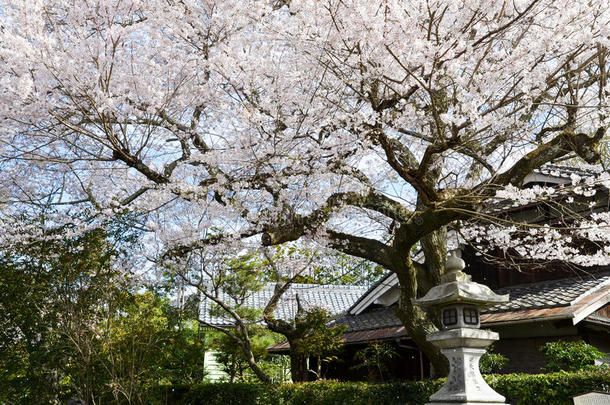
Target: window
{"points": [[449, 317], [471, 316]]}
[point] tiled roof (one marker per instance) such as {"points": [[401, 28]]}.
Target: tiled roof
{"points": [[335, 299], [565, 171], [374, 319], [544, 294], [548, 294], [553, 174]]}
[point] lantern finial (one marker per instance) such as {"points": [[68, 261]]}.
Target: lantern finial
{"points": [[453, 269]]}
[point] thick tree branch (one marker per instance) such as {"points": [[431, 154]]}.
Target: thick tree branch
{"points": [[179, 251], [369, 249], [407, 173], [301, 224], [562, 144], [279, 325], [134, 162]]}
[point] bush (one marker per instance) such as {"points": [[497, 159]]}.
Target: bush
{"points": [[492, 362], [212, 394], [569, 356], [554, 388], [376, 356], [314, 393], [356, 393], [519, 389]]}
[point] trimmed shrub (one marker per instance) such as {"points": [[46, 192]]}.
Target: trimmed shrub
{"points": [[356, 393], [213, 394], [314, 393], [519, 389], [569, 356], [554, 388]]}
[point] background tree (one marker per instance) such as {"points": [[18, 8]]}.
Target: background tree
{"points": [[143, 346], [234, 363], [308, 334], [52, 294], [375, 358], [369, 127], [229, 282], [314, 337], [73, 327]]}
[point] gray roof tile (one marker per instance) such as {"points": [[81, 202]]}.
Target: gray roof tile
{"points": [[373, 319], [335, 299], [565, 171], [548, 294]]}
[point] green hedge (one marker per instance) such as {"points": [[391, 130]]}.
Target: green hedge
{"points": [[554, 388], [519, 389]]}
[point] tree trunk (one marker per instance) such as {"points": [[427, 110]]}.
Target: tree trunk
{"points": [[298, 364], [260, 374], [434, 246], [247, 348], [416, 322]]}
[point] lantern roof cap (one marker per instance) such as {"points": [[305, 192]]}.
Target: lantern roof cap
{"points": [[458, 288]]}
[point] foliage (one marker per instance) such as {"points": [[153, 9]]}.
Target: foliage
{"points": [[316, 337], [72, 327], [314, 393], [357, 393], [376, 355], [143, 346], [519, 389], [277, 367], [243, 275], [492, 362], [555, 388], [569, 356], [213, 394], [51, 295], [332, 267], [182, 354], [310, 335], [230, 355]]}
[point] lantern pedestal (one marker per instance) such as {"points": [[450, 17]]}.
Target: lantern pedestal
{"points": [[465, 385]]}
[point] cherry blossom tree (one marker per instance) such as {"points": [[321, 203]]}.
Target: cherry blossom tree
{"points": [[367, 126]]}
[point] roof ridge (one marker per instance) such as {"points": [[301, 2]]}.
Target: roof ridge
{"points": [[271, 284], [594, 289], [373, 286], [569, 168], [590, 277], [329, 286]]}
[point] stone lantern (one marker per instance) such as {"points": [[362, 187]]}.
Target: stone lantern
{"points": [[459, 300]]}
